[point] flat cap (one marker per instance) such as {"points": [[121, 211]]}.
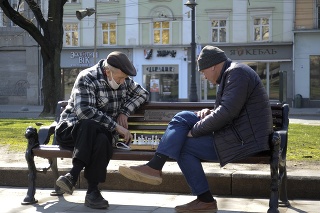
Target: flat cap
{"points": [[120, 60]]}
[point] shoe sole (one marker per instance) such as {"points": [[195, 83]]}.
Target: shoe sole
{"points": [[195, 211], [65, 188], [139, 176], [96, 206]]}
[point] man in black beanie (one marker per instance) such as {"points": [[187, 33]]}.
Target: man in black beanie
{"points": [[237, 126], [102, 98]]}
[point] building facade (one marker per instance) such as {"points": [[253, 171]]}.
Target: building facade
{"points": [[306, 82], [20, 68], [156, 34]]}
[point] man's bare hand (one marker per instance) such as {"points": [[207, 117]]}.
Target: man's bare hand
{"points": [[123, 120], [127, 136], [203, 113]]}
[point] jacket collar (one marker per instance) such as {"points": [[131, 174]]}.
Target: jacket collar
{"points": [[224, 68]]}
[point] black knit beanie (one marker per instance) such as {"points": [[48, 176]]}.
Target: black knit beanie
{"points": [[210, 56]]}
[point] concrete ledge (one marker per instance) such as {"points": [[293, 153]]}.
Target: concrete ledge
{"points": [[222, 182]]}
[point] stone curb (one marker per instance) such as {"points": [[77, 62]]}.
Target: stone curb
{"points": [[226, 183]]}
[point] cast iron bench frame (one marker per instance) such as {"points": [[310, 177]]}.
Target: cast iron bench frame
{"points": [[147, 118]]}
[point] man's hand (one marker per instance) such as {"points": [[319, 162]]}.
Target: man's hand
{"points": [[123, 120], [127, 136], [203, 113]]}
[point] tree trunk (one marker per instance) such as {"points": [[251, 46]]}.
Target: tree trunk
{"points": [[51, 83]]}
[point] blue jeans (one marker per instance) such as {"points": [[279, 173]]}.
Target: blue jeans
{"points": [[187, 151]]}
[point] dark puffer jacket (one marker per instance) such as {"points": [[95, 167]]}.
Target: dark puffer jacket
{"points": [[242, 119]]}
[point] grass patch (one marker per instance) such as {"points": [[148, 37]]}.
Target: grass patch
{"points": [[303, 142], [12, 132]]}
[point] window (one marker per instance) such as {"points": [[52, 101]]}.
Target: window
{"points": [[261, 29], [269, 73], [318, 13], [219, 30], [4, 20], [162, 81], [161, 32], [315, 77], [261, 22], [218, 24], [160, 27], [109, 33], [71, 35]]}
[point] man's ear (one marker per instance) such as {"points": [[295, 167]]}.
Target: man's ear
{"points": [[107, 71]]}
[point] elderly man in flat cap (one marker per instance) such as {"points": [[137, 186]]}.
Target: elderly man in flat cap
{"points": [[238, 126], [102, 98]]}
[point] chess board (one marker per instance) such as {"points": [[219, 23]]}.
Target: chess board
{"points": [[143, 147], [141, 142]]}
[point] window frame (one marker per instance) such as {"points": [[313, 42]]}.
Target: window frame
{"points": [[161, 14], [161, 32], [64, 33], [108, 30], [218, 14], [259, 13], [106, 18], [313, 94], [218, 30]]}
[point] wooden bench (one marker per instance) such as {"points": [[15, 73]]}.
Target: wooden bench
{"points": [[151, 120]]}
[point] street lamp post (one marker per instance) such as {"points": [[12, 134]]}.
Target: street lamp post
{"points": [[88, 12], [193, 97]]}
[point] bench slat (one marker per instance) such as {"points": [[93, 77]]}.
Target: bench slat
{"points": [[55, 151]]}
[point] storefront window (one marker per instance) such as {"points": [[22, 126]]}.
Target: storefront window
{"points": [[315, 77], [162, 82], [272, 83], [208, 90], [68, 78]]}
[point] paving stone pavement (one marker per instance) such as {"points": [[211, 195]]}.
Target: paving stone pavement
{"points": [[137, 202]]}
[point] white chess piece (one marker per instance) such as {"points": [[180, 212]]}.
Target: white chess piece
{"points": [[135, 138], [139, 141]]}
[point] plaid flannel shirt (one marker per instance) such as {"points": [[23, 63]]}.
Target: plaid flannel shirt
{"points": [[92, 98]]}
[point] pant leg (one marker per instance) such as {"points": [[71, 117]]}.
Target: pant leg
{"points": [[193, 152], [176, 133], [188, 151], [93, 146]]}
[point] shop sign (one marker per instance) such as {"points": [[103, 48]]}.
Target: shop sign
{"points": [[262, 52], [164, 53], [253, 51], [161, 69], [83, 57]]}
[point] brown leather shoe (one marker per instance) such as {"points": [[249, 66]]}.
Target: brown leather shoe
{"points": [[198, 206], [143, 173]]}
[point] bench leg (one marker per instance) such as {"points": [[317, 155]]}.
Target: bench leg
{"points": [[283, 182], [54, 167], [32, 137], [274, 167]]}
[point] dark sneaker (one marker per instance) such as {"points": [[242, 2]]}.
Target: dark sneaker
{"points": [[95, 200], [66, 183]]}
